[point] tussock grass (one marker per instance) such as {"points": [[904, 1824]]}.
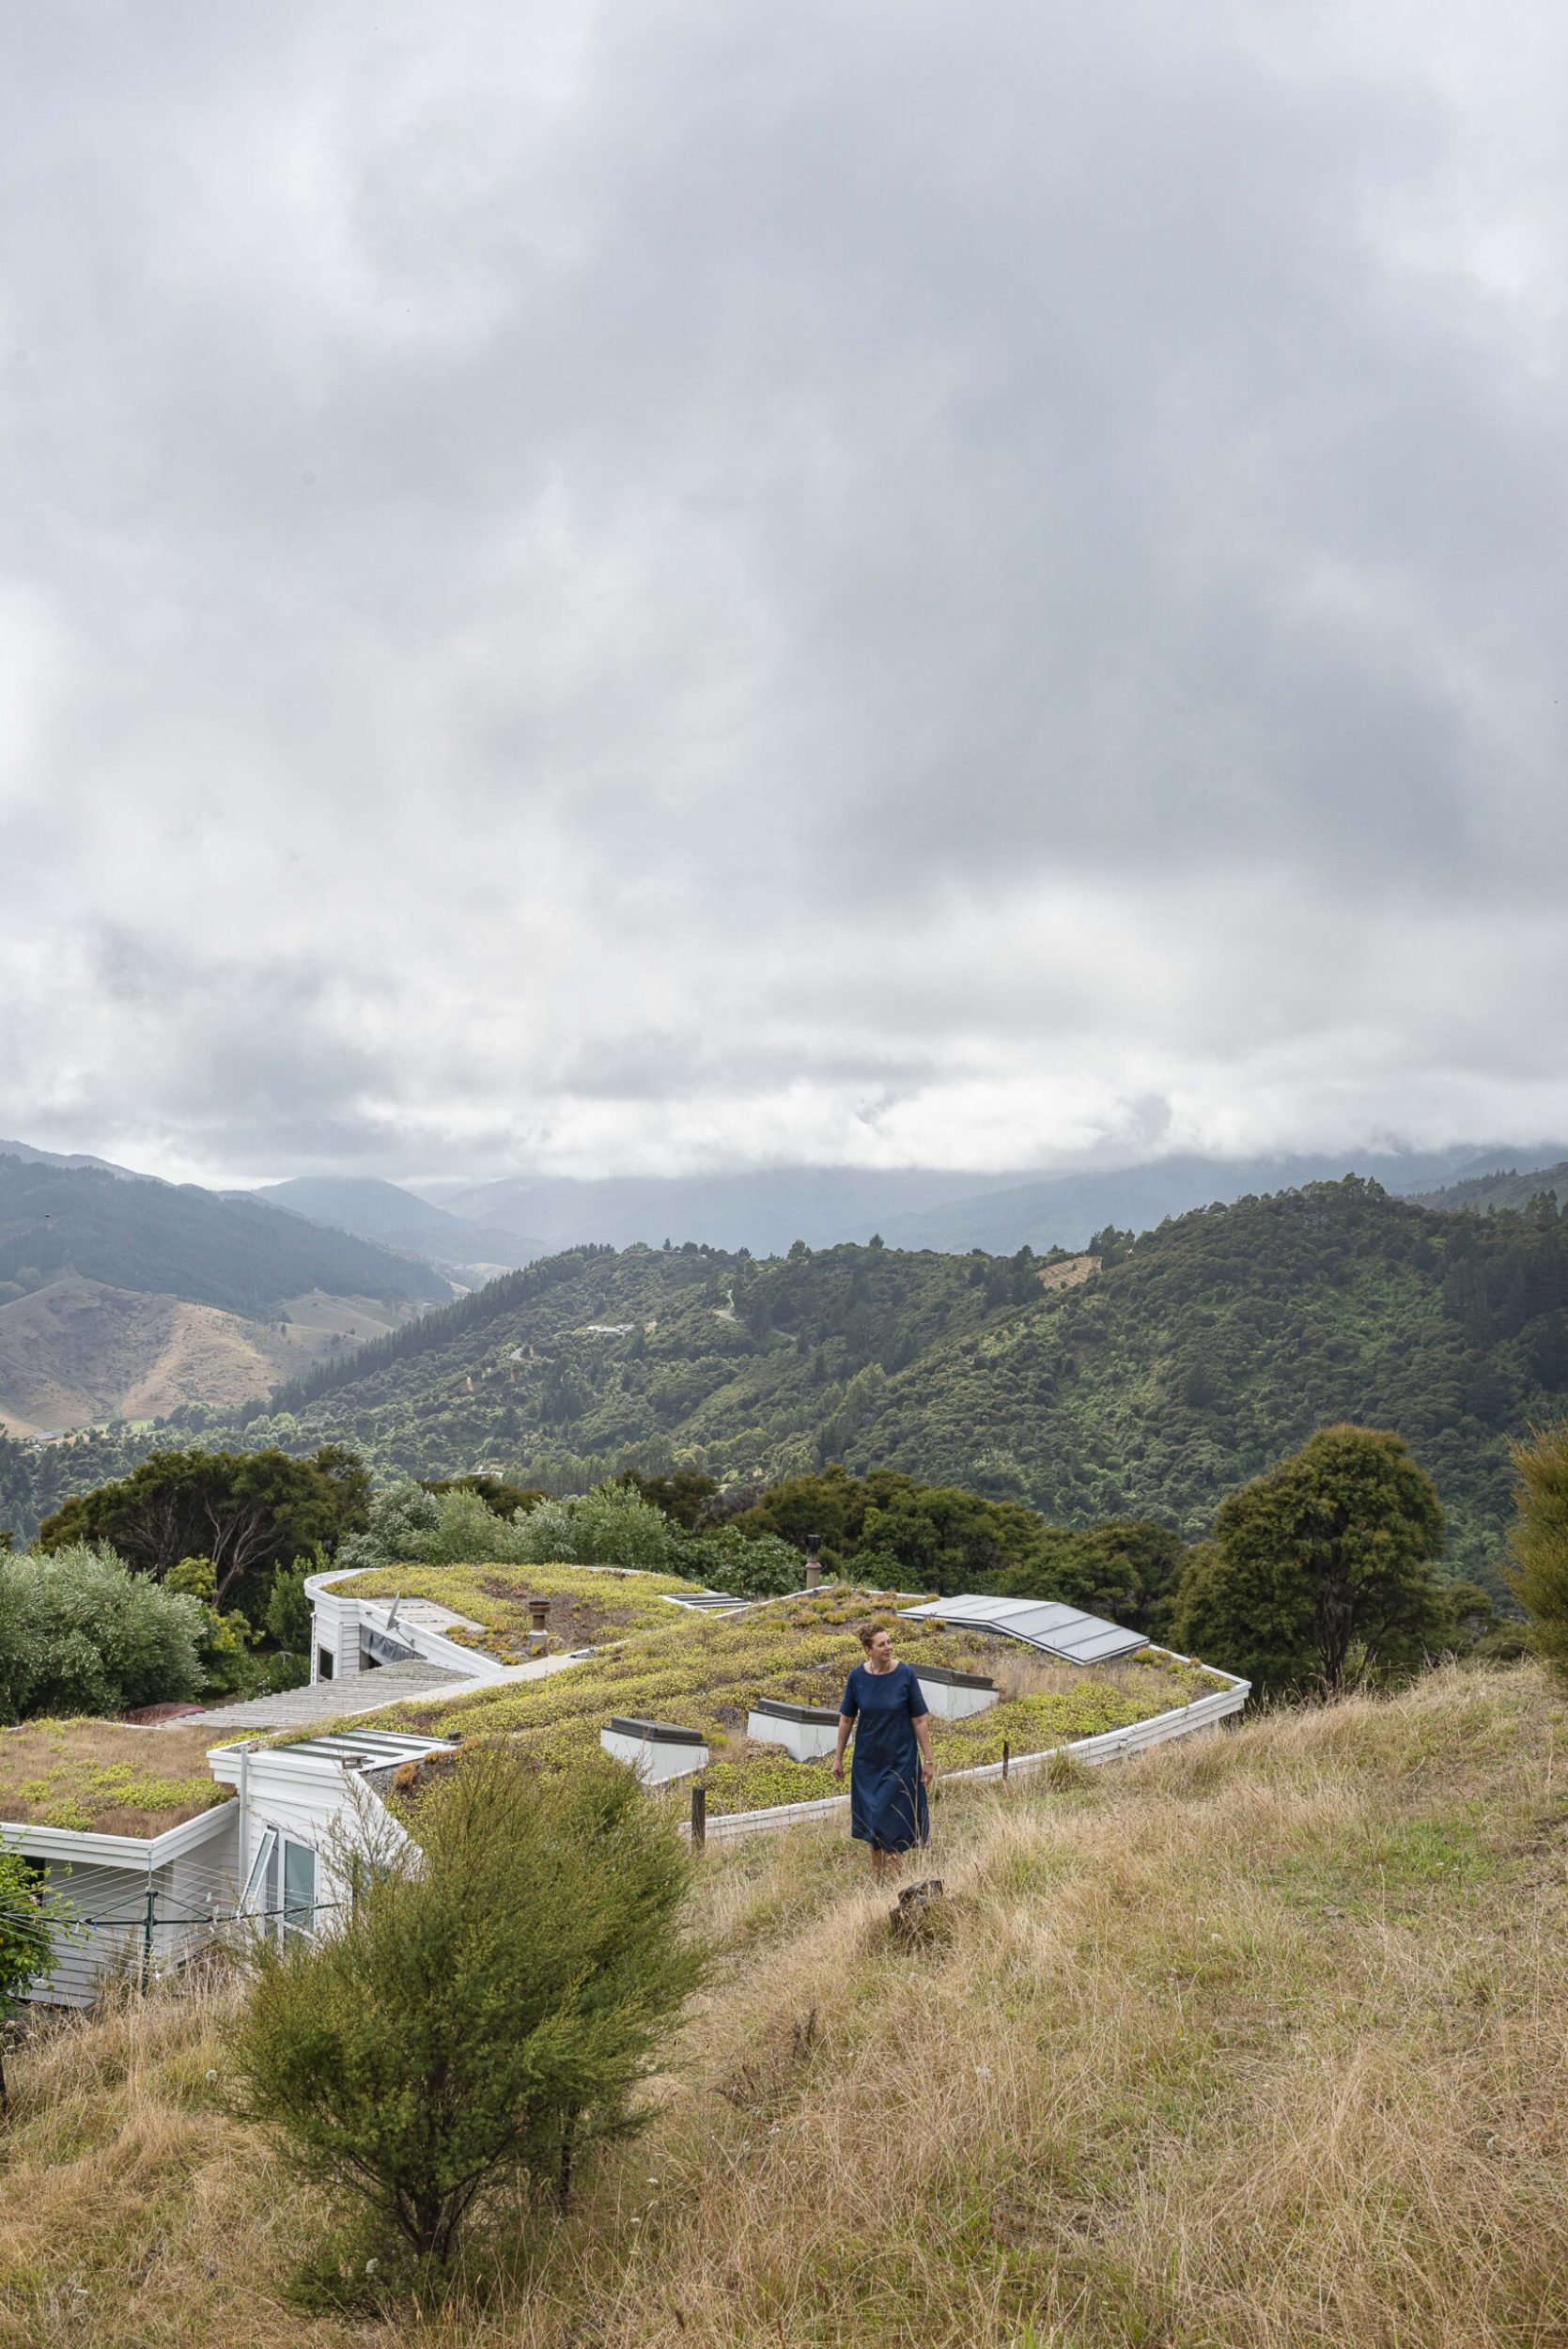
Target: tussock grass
{"points": [[1259, 2041]]}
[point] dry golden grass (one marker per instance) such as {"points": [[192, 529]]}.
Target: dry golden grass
{"points": [[116, 1778], [1258, 2042]]}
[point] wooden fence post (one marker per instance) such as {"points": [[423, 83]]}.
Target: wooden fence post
{"points": [[699, 1817]]}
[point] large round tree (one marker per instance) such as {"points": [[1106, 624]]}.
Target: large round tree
{"points": [[1323, 1565]]}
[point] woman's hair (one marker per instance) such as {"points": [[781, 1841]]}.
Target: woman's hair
{"points": [[865, 1632]]}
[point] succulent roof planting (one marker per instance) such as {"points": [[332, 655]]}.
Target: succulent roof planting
{"points": [[708, 1674], [106, 1778]]}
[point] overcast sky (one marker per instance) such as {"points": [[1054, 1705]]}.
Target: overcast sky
{"points": [[625, 587]]}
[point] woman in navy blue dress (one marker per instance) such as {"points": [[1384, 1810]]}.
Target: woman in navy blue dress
{"points": [[884, 1709]]}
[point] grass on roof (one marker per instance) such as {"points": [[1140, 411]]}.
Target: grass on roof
{"points": [[589, 1605], [109, 1777], [706, 1672]]}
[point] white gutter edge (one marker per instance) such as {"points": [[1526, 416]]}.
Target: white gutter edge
{"points": [[91, 1849]]}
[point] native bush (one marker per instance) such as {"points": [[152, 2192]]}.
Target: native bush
{"points": [[1540, 1541], [80, 1634], [761, 1566], [487, 2004], [1321, 1572]]}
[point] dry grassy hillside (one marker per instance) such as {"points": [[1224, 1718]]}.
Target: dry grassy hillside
{"points": [[1259, 2042], [79, 1352]]}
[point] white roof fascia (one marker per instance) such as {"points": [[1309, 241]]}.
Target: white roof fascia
{"points": [[90, 1849], [288, 1762]]}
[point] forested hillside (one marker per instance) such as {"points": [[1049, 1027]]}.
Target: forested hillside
{"points": [[1193, 1359], [1481, 1193], [1152, 1377]]}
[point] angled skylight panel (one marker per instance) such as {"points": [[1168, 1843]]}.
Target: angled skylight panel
{"points": [[1047, 1624]]}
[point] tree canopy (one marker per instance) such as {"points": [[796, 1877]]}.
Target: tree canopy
{"points": [[1323, 1567], [246, 1511]]}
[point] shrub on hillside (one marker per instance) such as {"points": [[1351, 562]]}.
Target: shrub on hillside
{"points": [[1540, 1541], [486, 2003], [81, 1634], [761, 1568], [1321, 1571]]}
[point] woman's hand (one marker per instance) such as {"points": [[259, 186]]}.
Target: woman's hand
{"points": [[838, 1769], [927, 1772]]}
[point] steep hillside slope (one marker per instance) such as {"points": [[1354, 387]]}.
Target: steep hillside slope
{"points": [[1194, 1357], [80, 1350], [177, 1240], [1255, 2043], [1210, 1347]]}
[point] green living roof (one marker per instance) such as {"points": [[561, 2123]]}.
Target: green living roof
{"points": [[705, 1672], [109, 1777], [589, 1606]]}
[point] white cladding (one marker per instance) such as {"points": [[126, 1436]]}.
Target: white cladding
{"points": [[339, 1620], [951, 1704], [319, 1793], [807, 1741], [655, 1761], [104, 1884]]}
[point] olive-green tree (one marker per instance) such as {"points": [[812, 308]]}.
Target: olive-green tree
{"points": [[1322, 1565], [485, 2003], [1539, 1540]]}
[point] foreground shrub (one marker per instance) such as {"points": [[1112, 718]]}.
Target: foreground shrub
{"points": [[81, 1634], [1540, 1541], [485, 2005]]}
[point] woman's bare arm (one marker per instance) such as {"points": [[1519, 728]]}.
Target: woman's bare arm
{"points": [[922, 1732], [846, 1723]]}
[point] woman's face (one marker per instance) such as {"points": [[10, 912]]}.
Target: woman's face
{"points": [[879, 1654]]}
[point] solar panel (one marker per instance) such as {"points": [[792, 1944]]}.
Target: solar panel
{"points": [[1047, 1624]]}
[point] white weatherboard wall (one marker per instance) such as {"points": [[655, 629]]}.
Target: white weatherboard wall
{"points": [[337, 1618], [319, 1793], [104, 1881]]}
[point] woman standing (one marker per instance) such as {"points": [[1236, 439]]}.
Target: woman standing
{"points": [[885, 1709]]}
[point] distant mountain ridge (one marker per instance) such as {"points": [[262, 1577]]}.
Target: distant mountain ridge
{"points": [[129, 1297], [394, 1217], [765, 1210]]}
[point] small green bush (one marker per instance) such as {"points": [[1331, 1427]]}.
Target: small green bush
{"points": [[485, 2006]]}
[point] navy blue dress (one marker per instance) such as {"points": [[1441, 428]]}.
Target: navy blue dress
{"points": [[886, 1795]]}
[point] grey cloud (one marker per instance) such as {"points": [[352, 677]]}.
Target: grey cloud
{"points": [[590, 586]]}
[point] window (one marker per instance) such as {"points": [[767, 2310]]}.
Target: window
{"points": [[299, 1888], [325, 1663], [261, 1886]]}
